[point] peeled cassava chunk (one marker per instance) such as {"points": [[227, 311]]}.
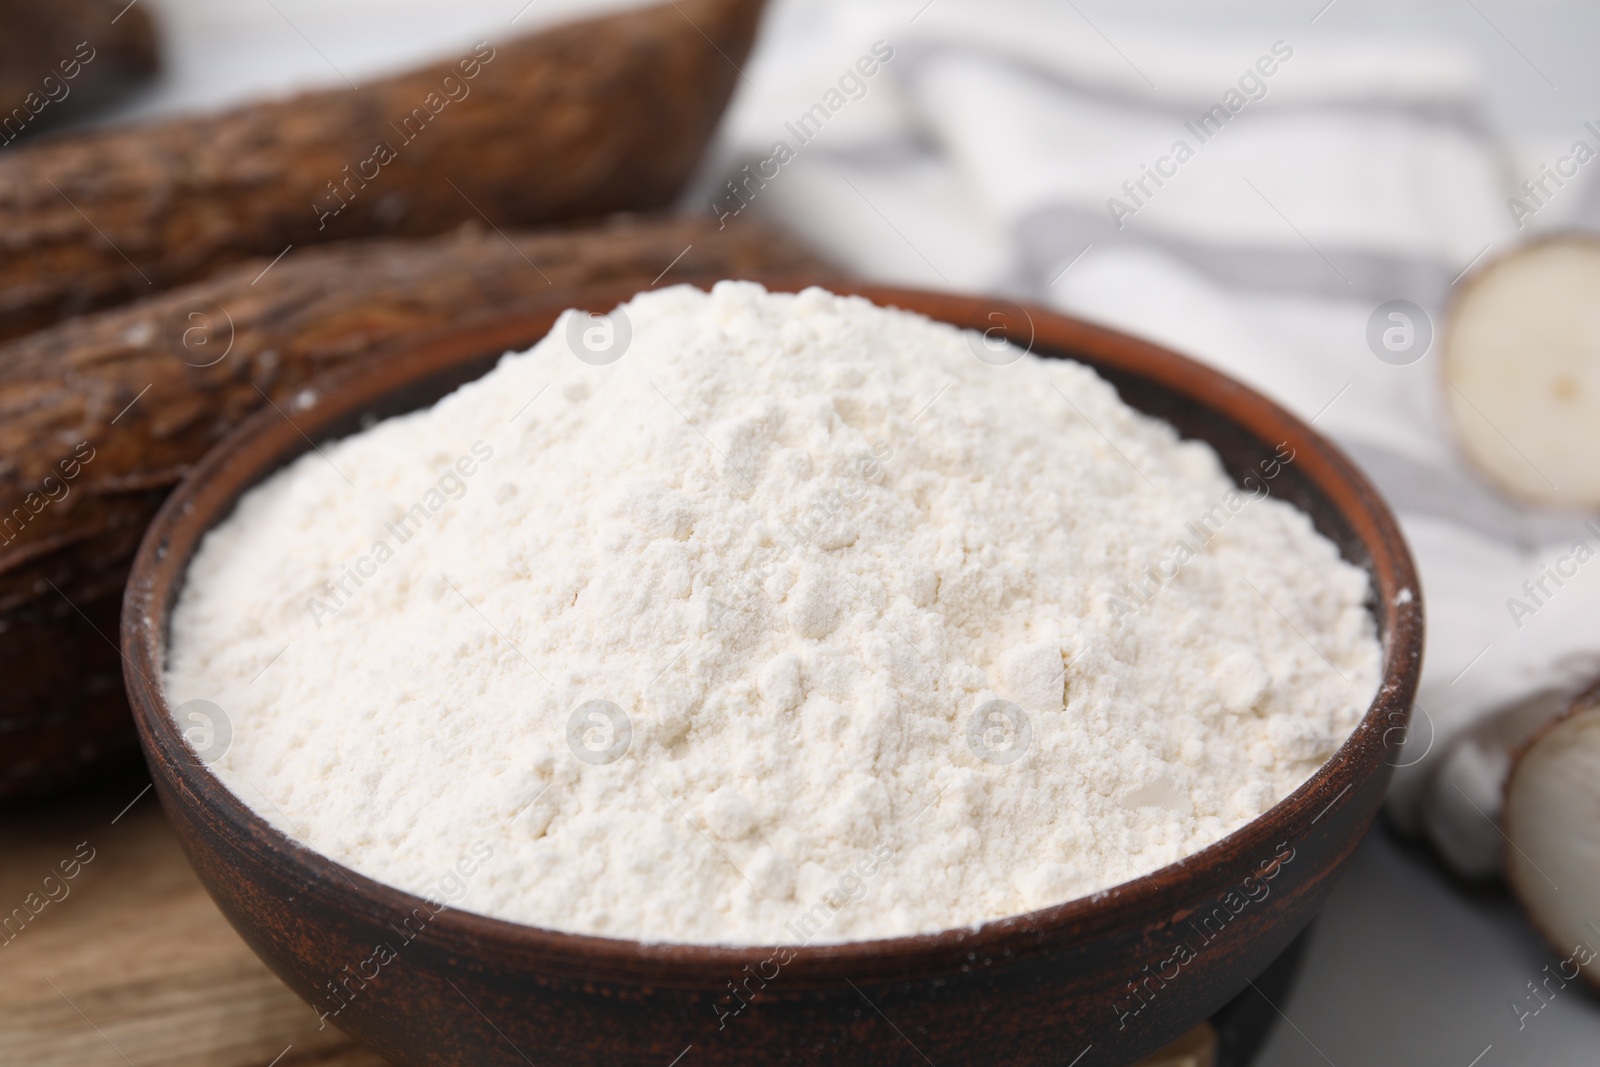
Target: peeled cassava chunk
{"points": [[1552, 821], [1522, 371], [1463, 802]]}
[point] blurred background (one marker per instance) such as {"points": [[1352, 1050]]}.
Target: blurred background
{"points": [[1008, 147]]}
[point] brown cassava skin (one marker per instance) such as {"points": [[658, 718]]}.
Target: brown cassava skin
{"points": [[62, 58], [100, 416], [607, 114]]}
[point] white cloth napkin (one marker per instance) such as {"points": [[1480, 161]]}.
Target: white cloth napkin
{"points": [[986, 155]]}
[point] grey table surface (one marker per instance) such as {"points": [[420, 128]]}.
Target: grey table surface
{"points": [[1407, 967]]}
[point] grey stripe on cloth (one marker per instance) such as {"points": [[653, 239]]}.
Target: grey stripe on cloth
{"points": [[1049, 238], [913, 56], [1587, 218], [1451, 494]]}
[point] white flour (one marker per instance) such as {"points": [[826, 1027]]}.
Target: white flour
{"points": [[800, 542]]}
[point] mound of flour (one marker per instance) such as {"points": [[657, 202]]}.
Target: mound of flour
{"points": [[797, 622]]}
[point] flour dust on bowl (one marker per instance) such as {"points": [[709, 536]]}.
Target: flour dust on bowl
{"points": [[747, 670]]}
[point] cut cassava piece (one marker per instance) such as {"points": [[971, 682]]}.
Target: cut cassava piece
{"points": [[607, 114], [63, 58], [1463, 801], [1552, 820], [1522, 371], [100, 417]]}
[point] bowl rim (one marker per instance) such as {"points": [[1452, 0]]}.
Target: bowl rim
{"points": [[1396, 604]]}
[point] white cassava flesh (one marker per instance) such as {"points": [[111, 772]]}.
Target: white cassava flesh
{"points": [[1552, 820], [1463, 801], [1522, 371]]}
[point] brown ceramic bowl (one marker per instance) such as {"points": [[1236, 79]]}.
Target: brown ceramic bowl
{"points": [[1096, 981]]}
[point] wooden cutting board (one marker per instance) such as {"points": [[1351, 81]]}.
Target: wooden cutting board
{"points": [[132, 963], [112, 954]]}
